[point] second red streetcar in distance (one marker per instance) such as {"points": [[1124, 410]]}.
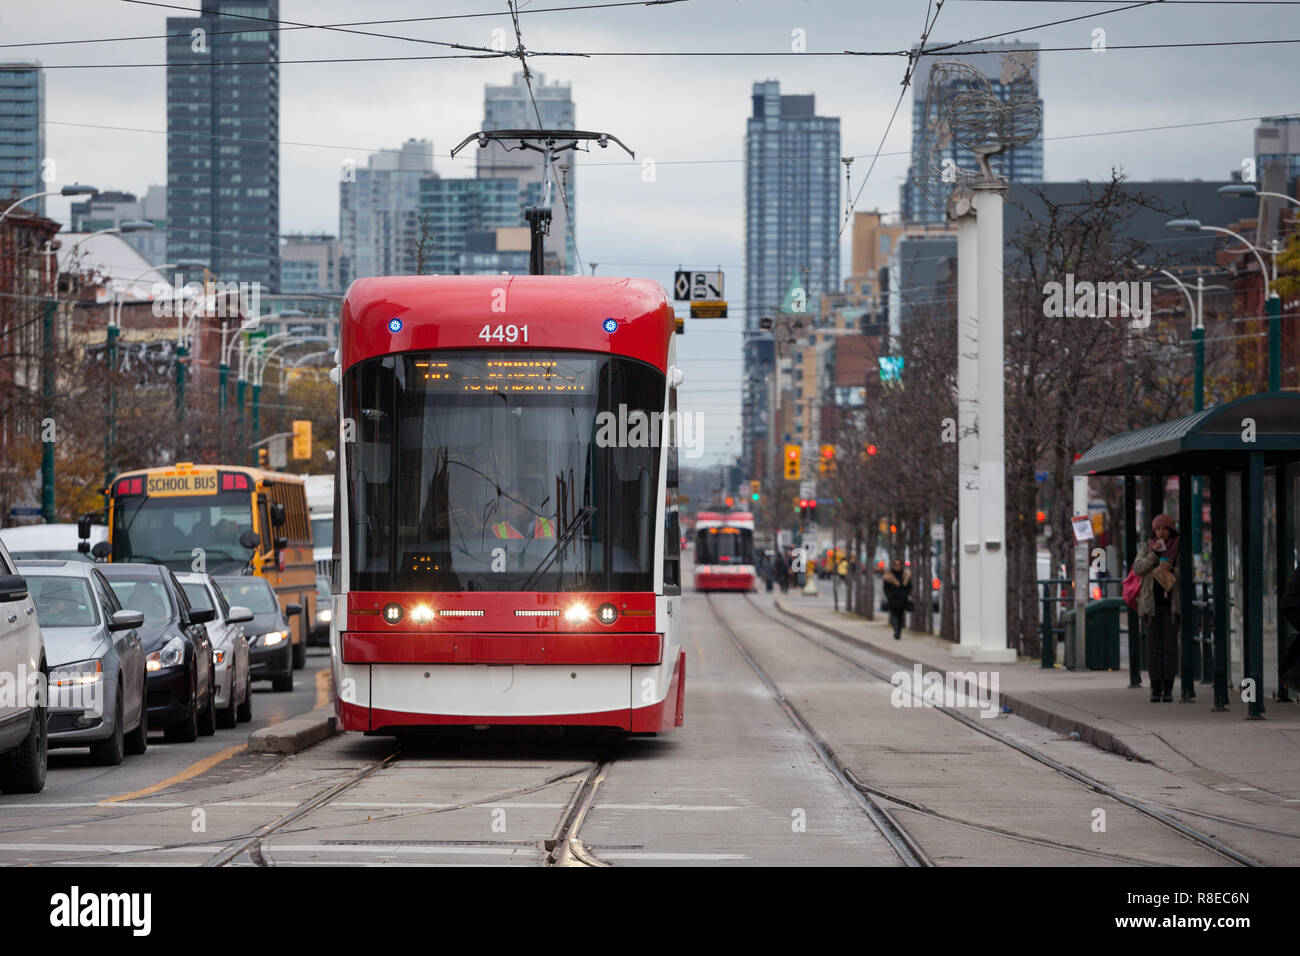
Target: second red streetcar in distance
{"points": [[724, 551]]}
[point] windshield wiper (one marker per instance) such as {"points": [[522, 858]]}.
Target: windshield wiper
{"points": [[585, 512]]}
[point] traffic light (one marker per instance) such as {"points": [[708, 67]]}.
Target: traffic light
{"points": [[262, 456], [302, 438], [792, 469], [827, 462], [731, 502], [753, 490]]}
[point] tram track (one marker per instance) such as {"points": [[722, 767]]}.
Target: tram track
{"points": [[800, 627], [902, 843]]}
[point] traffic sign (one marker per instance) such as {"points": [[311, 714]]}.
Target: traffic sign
{"points": [[708, 310], [697, 286]]}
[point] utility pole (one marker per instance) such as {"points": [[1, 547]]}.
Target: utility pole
{"points": [[48, 425], [968, 488]]}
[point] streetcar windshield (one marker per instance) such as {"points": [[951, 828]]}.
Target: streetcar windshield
{"points": [[503, 471], [724, 546], [166, 530]]}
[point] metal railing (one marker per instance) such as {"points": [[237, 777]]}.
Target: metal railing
{"points": [[1050, 626]]}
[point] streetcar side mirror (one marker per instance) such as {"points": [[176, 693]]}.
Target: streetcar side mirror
{"points": [[247, 539], [101, 549]]}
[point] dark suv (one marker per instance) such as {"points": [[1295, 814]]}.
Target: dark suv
{"points": [[270, 650], [182, 686]]}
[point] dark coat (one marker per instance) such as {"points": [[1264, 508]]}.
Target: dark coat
{"points": [[898, 593]]}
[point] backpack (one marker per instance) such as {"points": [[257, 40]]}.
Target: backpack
{"points": [[1132, 585]]}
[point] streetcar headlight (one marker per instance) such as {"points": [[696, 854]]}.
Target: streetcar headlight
{"points": [[421, 614], [607, 614], [576, 614], [171, 653], [392, 613], [324, 615], [272, 638]]}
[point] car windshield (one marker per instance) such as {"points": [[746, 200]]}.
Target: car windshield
{"points": [[200, 600], [252, 593], [72, 555], [503, 471], [150, 598], [168, 530], [62, 601]]}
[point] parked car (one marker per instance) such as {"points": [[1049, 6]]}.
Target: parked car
{"points": [[320, 628], [182, 686], [23, 735], [53, 542], [229, 648], [269, 648], [96, 661]]}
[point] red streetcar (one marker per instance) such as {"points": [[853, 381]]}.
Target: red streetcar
{"points": [[507, 521], [724, 551]]}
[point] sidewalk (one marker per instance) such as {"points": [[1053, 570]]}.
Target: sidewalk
{"points": [[1255, 759]]}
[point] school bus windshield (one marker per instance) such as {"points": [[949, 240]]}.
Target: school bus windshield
{"points": [[168, 530]]}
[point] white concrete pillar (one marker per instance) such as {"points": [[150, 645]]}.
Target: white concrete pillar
{"points": [[992, 445], [968, 504]]}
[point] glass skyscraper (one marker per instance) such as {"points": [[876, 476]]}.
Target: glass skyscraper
{"points": [[1002, 66], [223, 131], [22, 134], [379, 215], [792, 209]]}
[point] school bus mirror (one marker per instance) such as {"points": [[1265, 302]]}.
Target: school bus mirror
{"points": [[281, 543], [249, 540], [277, 513], [101, 549]]}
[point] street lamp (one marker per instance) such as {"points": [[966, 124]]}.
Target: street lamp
{"points": [[65, 191], [1246, 191], [1272, 302]]}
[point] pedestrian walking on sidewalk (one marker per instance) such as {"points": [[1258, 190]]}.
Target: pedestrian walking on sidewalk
{"points": [[1289, 668], [898, 594], [765, 571], [1159, 601], [782, 570]]}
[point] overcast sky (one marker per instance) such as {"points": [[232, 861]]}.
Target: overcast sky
{"points": [[687, 113]]}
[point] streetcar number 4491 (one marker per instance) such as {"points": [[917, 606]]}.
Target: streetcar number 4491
{"points": [[504, 333]]}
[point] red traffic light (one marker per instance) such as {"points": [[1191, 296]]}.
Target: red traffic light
{"points": [[1042, 516], [871, 449], [730, 501]]}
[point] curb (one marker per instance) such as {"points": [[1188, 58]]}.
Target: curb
{"points": [[1021, 707], [295, 734]]}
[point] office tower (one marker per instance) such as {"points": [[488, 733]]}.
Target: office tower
{"points": [[109, 208], [792, 208], [1277, 140], [22, 135], [510, 107], [455, 209], [1008, 69], [379, 215], [310, 264], [223, 130]]}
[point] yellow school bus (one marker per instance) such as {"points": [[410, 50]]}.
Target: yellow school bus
{"points": [[222, 519]]}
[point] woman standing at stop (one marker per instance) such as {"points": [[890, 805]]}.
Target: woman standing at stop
{"points": [[1158, 604]]}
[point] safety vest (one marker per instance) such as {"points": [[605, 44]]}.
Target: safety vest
{"points": [[503, 529], [542, 528]]}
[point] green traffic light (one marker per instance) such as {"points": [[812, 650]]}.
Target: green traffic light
{"points": [[754, 496]]}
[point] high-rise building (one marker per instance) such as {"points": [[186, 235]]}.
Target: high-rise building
{"points": [[1277, 140], [792, 206], [310, 264], [22, 133], [1008, 69], [223, 131], [511, 107], [456, 208], [379, 215], [109, 208]]}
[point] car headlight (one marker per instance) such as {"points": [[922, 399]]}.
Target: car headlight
{"points": [[272, 638], [169, 655], [78, 674], [324, 615]]}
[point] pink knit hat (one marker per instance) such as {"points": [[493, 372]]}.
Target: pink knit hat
{"points": [[1162, 521]]}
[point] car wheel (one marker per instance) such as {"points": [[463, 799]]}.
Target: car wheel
{"points": [[245, 712], [208, 719], [23, 771], [226, 718], [110, 752], [185, 731], [300, 654], [137, 741]]}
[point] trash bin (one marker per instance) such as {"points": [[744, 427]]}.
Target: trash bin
{"points": [[1103, 636]]}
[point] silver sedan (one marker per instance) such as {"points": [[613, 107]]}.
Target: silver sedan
{"points": [[234, 700]]}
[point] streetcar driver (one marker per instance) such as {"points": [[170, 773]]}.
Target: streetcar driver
{"points": [[522, 520]]}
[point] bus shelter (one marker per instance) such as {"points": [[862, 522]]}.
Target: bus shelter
{"points": [[1247, 451]]}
